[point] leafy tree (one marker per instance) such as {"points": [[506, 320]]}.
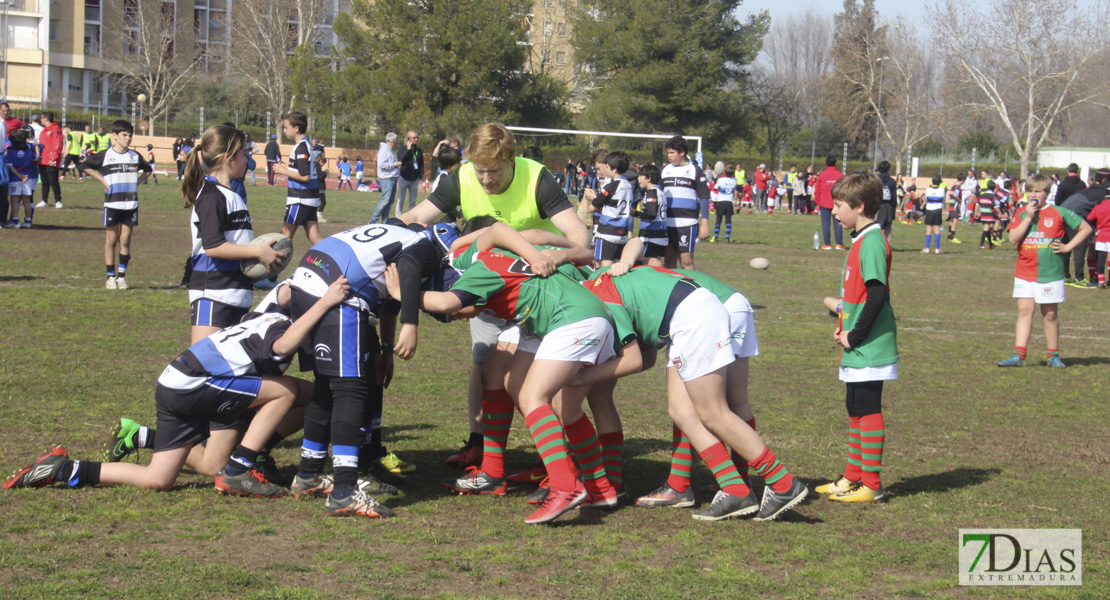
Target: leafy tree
{"points": [[663, 66], [443, 66], [984, 143]]}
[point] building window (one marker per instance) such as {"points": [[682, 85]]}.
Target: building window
{"points": [[548, 28], [53, 31], [545, 57], [92, 39], [560, 58], [562, 29]]}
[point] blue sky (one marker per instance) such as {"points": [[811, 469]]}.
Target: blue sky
{"points": [[913, 11]]}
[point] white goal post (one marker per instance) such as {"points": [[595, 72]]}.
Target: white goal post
{"points": [[654, 136]]}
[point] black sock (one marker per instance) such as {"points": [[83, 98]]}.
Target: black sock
{"points": [[476, 439], [241, 461], [75, 473], [346, 478], [272, 443]]}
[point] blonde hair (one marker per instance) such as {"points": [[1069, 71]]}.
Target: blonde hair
{"points": [[1038, 183], [217, 144], [491, 144]]}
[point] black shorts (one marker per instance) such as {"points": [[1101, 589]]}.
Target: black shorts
{"points": [[682, 239], [953, 214], [654, 250], [342, 344], [722, 208], [606, 250], [299, 214], [115, 216], [933, 217], [186, 417], [209, 313]]}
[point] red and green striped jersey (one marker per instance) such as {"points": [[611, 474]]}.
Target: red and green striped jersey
{"points": [[1036, 260], [868, 259], [639, 297], [506, 286], [719, 288]]}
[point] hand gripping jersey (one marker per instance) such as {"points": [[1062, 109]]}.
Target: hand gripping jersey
{"points": [[1036, 260], [868, 259], [616, 211], [219, 216], [726, 189], [361, 255], [653, 217], [303, 192], [684, 187], [236, 351], [504, 284], [121, 172]]}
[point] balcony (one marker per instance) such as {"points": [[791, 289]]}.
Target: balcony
{"points": [[92, 13], [27, 6]]}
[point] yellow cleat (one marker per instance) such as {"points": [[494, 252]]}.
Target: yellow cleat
{"points": [[393, 463], [842, 484], [860, 493]]}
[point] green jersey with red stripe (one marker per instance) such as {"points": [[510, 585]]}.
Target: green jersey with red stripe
{"points": [[639, 297], [1036, 260], [720, 289], [505, 285], [869, 259]]}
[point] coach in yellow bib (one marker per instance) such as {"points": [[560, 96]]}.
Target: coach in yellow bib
{"points": [[523, 194]]}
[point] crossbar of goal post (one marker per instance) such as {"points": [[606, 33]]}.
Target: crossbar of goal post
{"points": [[654, 136]]}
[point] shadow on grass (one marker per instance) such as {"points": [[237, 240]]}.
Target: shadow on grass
{"points": [[943, 482], [67, 228], [7, 278], [1090, 360]]}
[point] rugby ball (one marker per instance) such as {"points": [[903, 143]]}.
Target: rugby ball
{"points": [[282, 245], [759, 263]]}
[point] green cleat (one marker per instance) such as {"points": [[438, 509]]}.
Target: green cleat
{"points": [[123, 441], [1013, 361]]}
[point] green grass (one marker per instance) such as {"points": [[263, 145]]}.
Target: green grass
{"points": [[968, 445]]}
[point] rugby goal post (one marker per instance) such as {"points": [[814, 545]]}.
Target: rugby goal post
{"points": [[654, 136]]}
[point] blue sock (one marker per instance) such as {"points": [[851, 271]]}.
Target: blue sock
{"points": [[936, 236], [717, 230], [728, 231], [928, 240]]}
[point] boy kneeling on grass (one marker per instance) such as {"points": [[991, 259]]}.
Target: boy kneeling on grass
{"points": [[1037, 231], [214, 382]]}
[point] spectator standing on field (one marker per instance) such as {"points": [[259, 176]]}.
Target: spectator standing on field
{"points": [[388, 171], [822, 194], [52, 140], [412, 171], [761, 178], [273, 157], [889, 204]]}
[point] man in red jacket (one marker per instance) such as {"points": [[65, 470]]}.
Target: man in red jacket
{"points": [[761, 177], [52, 141], [822, 194]]}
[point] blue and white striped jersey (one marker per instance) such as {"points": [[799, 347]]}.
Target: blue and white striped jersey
{"points": [[615, 217], [219, 216], [934, 198], [361, 255], [726, 189], [121, 172], [684, 186], [237, 351], [653, 217], [302, 159]]}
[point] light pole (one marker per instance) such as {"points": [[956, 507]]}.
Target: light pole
{"points": [[878, 110], [6, 42]]}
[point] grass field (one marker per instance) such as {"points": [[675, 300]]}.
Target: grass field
{"points": [[969, 445]]}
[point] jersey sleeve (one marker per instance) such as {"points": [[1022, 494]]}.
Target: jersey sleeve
{"points": [[211, 219], [302, 161], [480, 282], [550, 198], [1071, 219], [464, 257], [94, 161], [872, 259], [447, 196], [144, 166], [622, 325], [607, 194], [1016, 220], [265, 353]]}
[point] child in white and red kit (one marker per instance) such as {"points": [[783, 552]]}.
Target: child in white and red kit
{"points": [[1100, 218]]}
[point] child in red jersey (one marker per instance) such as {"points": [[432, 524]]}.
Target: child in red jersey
{"points": [[1038, 230], [1100, 216]]}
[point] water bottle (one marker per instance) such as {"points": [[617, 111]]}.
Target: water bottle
{"points": [[815, 238]]}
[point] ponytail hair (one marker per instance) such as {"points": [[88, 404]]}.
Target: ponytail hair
{"points": [[213, 148]]}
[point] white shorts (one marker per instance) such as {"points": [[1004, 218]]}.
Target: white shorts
{"points": [[741, 319], [1043, 293], [1102, 246], [857, 374], [344, 177], [22, 188], [588, 341], [358, 175], [701, 341], [525, 342]]}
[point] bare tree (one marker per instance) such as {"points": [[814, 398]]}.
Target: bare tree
{"points": [[773, 103], [796, 57], [907, 111], [267, 33], [1033, 68], [146, 59]]}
